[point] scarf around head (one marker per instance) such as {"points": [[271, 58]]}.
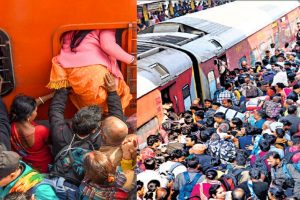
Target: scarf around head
{"points": [[28, 181]]}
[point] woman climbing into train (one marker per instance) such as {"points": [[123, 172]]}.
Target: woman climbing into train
{"points": [[28, 138], [85, 57]]}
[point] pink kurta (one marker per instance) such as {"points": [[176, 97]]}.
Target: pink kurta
{"points": [[98, 47]]}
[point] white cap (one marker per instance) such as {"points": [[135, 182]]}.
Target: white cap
{"points": [[276, 125], [268, 66]]}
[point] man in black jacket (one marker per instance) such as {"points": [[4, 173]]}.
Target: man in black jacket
{"points": [[4, 124], [86, 122]]}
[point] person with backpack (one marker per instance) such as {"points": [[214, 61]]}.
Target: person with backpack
{"points": [[202, 189], [17, 176], [184, 182], [255, 187], [71, 142], [259, 161], [284, 171], [227, 94], [239, 170], [295, 158], [249, 90]]}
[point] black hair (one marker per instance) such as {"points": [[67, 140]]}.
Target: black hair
{"points": [[21, 108], [196, 108], [86, 120], [139, 185], [227, 86], [151, 139], [173, 135], [255, 173], [209, 100], [280, 85], [280, 132], [216, 104], [292, 109], [192, 162], [77, 37], [166, 125], [296, 86], [213, 189], [193, 137], [200, 114], [271, 139], [210, 121], [211, 174], [264, 145], [150, 163], [177, 153], [286, 122], [204, 136], [241, 158], [277, 192], [274, 154], [237, 122], [220, 115], [296, 139], [152, 185]]}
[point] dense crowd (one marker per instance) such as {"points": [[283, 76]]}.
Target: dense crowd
{"points": [[242, 144], [179, 9], [92, 155]]}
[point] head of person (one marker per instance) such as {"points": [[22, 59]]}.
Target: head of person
{"points": [[277, 52], [193, 163], [198, 149], [216, 191], [292, 110], [215, 105], [264, 145], [244, 64], [258, 115], [267, 52], [153, 185], [279, 132], [114, 131], [274, 159], [87, 121], [140, 188], [191, 140], [199, 115], [153, 141], [211, 174], [247, 80], [223, 128], [150, 163], [19, 196], [161, 194], [23, 109], [279, 87], [227, 103], [228, 86], [296, 87], [9, 167], [194, 108], [255, 174], [196, 102], [236, 123], [276, 193], [238, 194], [296, 140], [286, 124], [208, 103], [98, 168], [241, 158], [219, 117], [178, 155]]}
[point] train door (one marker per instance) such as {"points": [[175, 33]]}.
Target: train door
{"points": [[221, 62]]}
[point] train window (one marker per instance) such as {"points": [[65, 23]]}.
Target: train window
{"points": [[163, 72], [186, 97], [212, 83], [262, 48], [216, 43], [6, 67]]}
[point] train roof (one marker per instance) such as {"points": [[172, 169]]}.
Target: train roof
{"points": [[159, 67], [231, 22]]}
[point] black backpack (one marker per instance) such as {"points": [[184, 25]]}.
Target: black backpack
{"points": [[68, 163]]}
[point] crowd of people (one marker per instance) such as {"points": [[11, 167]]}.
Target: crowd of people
{"points": [[242, 144], [179, 9], [92, 155]]}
